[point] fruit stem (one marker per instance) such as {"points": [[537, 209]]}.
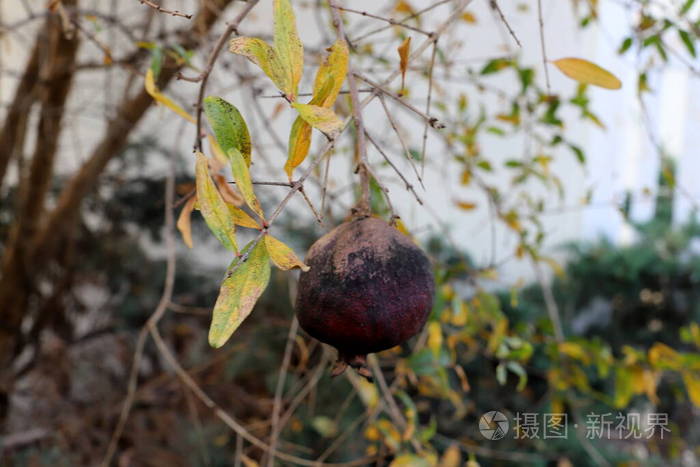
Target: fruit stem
{"points": [[356, 362]]}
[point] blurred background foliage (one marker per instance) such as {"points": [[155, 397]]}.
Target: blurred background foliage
{"points": [[630, 315]]}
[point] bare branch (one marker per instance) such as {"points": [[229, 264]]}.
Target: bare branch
{"points": [[160, 9], [230, 29], [543, 46], [494, 6], [363, 206]]}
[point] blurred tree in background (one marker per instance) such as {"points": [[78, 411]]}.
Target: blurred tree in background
{"points": [[105, 313]]}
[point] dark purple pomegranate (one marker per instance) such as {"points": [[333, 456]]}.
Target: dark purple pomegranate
{"points": [[369, 288]]}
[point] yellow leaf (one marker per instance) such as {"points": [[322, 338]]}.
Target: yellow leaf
{"points": [[466, 177], [463, 380], [586, 72], [413, 460], [283, 256], [299, 143], [452, 457], [434, 337], [391, 436], [403, 6], [574, 350], [468, 17], [227, 192], [692, 384], [287, 45], [467, 206], [263, 55], [162, 99], [644, 381], [219, 155], [213, 207], [401, 227], [372, 434], [184, 224], [404, 50], [664, 357], [329, 79], [243, 182], [240, 217], [500, 329], [321, 118], [331, 75], [239, 293], [511, 218]]}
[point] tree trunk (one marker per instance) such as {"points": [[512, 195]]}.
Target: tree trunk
{"points": [[33, 246]]}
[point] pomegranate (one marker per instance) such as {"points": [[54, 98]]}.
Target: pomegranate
{"points": [[369, 288]]}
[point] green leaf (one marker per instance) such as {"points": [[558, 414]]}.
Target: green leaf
{"points": [[623, 387], [495, 65], [325, 426], [518, 369], [241, 175], [501, 374], [156, 61], [587, 72], [263, 55], [578, 152], [287, 45], [239, 293], [321, 118], [624, 47], [229, 126], [688, 41], [686, 7], [212, 205]]}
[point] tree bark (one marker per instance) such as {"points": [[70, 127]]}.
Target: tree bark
{"points": [[33, 246], [59, 52], [13, 129]]}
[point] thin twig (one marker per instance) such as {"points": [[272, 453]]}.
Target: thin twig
{"points": [[409, 186], [222, 414], [204, 76], [393, 408], [550, 302], [402, 21], [310, 94], [427, 109], [269, 183], [363, 206], [406, 151], [494, 6], [543, 46], [163, 304], [391, 21], [279, 390], [160, 9], [432, 121]]}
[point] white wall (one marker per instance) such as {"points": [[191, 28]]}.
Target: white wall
{"points": [[619, 158]]}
